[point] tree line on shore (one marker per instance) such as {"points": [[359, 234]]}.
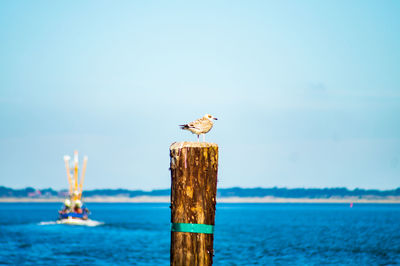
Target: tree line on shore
{"points": [[222, 192]]}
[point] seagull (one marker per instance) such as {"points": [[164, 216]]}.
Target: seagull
{"points": [[200, 126]]}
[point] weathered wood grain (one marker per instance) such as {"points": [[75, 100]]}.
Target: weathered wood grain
{"points": [[194, 170]]}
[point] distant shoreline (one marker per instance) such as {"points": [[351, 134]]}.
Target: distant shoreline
{"points": [[166, 199]]}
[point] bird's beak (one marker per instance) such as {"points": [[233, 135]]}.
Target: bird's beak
{"points": [[215, 118]]}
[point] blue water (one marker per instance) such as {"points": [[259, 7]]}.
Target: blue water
{"points": [[246, 234]]}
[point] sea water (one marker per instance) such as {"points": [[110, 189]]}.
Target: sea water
{"points": [[245, 234]]}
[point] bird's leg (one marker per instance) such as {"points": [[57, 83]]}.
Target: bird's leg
{"points": [[204, 137], [198, 138]]}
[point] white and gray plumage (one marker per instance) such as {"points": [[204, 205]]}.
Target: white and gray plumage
{"points": [[200, 126]]}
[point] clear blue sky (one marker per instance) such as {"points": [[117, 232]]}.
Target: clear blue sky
{"points": [[307, 92]]}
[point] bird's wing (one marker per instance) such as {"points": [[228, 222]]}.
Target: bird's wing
{"points": [[199, 123], [194, 124]]}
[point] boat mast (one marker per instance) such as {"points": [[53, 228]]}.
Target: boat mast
{"points": [[66, 160], [82, 176], [75, 188], [75, 193]]}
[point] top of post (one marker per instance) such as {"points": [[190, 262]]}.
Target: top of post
{"points": [[192, 144]]}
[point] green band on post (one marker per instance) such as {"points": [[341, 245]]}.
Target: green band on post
{"points": [[192, 228]]}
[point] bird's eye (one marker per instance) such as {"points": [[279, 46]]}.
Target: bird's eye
{"points": [[209, 116]]}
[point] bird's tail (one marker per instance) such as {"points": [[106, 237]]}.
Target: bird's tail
{"points": [[184, 126]]}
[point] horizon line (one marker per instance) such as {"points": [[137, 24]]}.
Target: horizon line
{"points": [[258, 187]]}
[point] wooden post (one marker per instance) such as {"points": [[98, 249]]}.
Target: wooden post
{"points": [[194, 169]]}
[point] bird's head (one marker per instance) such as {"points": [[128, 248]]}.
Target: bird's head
{"points": [[210, 117]]}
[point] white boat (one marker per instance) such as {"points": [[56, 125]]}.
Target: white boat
{"points": [[73, 211]]}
